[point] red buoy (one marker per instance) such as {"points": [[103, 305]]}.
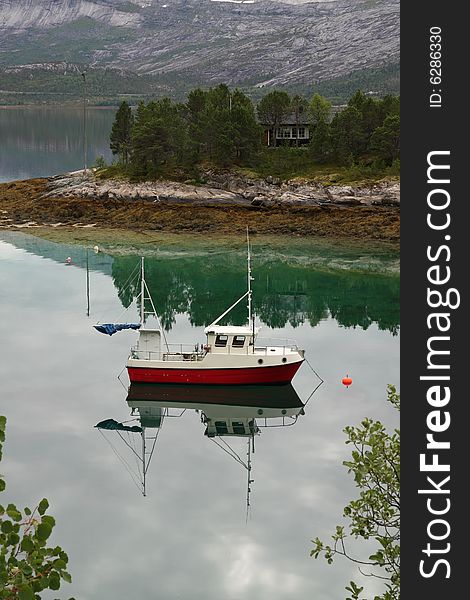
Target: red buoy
{"points": [[347, 381]]}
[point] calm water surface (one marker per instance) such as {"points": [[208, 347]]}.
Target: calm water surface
{"points": [[43, 141], [188, 539]]}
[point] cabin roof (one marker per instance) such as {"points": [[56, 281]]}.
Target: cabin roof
{"points": [[230, 330]]}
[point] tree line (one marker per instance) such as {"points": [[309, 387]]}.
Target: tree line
{"points": [[223, 127]]}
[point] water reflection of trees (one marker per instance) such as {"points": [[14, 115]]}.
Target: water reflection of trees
{"points": [[284, 293]]}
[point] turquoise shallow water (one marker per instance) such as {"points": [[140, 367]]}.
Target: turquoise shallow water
{"points": [[188, 538]]}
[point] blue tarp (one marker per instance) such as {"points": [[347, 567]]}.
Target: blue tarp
{"points": [[112, 328], [113, 425]]}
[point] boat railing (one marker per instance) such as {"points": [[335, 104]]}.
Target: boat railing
{"points": [[284, 421], [173, 352], [262, 343]]}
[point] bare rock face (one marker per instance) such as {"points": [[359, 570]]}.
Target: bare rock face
{"points": [[227, 188], [261, 43]]}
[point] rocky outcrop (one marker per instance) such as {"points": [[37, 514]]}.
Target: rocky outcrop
{"points": [[227, 188], [56, 203]]}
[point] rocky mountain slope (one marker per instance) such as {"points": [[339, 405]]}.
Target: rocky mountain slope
{"points": [[252, 43]]}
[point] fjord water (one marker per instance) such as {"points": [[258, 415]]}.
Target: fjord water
{"points": [[38, 141], [188, 539]]}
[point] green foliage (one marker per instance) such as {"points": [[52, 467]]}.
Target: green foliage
{"points": [[273, 108], [321, 144], [159, 138], [375, 514], [319, 110], [218, 127], [385, 140], [28, 565], [120, 138], [367, 127], [100, 162]]}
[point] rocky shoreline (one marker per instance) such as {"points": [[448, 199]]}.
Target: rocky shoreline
{"points": [[227, 188], [225, 202]]}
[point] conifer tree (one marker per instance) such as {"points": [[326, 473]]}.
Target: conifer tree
{"points": [[121, 133]]}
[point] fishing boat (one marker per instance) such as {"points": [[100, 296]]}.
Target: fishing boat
{"points": [[231, 355]]}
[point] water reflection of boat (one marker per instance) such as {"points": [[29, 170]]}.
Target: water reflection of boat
{"points": [[225, 412], [232, 411]]}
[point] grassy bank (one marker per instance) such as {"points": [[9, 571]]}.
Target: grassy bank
{"points": [[280, 163]]}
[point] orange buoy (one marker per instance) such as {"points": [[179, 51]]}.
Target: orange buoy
{"points": [[347, 381]]}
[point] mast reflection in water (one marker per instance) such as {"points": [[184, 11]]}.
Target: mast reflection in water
{"points": [[226, 412]]}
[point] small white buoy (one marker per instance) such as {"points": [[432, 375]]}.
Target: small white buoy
{"points": [[96, 249]]}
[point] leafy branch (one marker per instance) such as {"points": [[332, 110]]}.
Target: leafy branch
{"points": [[27, 564], [375, 514]]}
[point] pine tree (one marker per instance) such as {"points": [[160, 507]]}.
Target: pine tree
{"points": [[273, 108], [121, 133]]}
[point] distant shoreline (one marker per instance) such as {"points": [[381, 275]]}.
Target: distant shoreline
{"points": [[51, 106]]}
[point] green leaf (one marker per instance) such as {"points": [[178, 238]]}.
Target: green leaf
{"points": [[27, 544], [43, 531], [13, 539], [66, 577], [54, 580], [26, 568], [49, 520], [13, 513], [26, 594], [7, 527], [43, 506]]}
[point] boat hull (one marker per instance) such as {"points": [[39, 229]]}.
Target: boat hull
{"points": [[266, 375]]}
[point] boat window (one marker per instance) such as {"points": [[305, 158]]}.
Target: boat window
{"points": [[221, 340], [238, 341], [238, 428], [221, 427]]}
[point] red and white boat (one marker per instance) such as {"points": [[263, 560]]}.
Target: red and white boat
{"points": [[232, 355]]}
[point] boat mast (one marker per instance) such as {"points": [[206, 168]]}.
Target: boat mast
{"points": [[144, 466], [251, 317], [142, 292], [249, 277]]}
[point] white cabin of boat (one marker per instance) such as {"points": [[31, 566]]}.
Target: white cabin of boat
{"points": [[230, 339]]}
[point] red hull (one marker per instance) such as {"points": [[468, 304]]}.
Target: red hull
{"points": [[276, 375]]}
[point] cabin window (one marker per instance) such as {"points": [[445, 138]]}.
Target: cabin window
{"points": [[238, 341], [302, 133], [221, 427], [284, 132], [221, 341], [238, 428]]}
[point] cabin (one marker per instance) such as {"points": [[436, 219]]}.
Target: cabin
{"points": [[291, 132], [230, 339], [226, 426], [294, 130]]}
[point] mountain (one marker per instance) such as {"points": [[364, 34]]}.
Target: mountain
{"points": [[254, 44]]}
